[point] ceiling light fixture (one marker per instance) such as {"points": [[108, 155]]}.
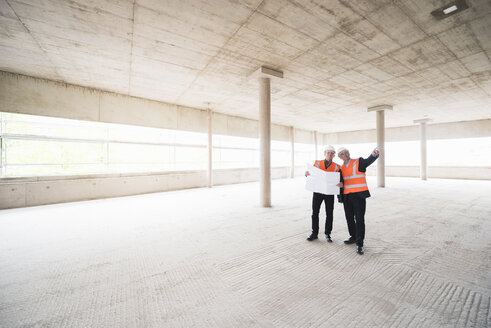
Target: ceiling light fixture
{"points": [[450, 9]]}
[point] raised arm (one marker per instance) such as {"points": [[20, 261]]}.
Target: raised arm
{"points": [[366, 162]]}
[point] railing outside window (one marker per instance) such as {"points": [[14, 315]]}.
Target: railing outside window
{"points": [[304, 154], [38, 146], [235, 152], [239, 152], [281, 153]]}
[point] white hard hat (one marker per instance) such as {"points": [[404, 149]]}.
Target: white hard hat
{"points": [[341, 149], [329, 148]]}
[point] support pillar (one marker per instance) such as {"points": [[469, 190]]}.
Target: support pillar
{"points": [[265, 74], [265, 140], [210, 149], [422, 137], [380, 112], [381, 148], [292, 170], [315, 145]]}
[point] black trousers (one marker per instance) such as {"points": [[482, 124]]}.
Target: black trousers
{"points": [[317, 200], [354, 210]]}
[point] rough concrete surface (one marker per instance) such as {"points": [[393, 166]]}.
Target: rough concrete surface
{"points": [[215, 258], [338, 57]]}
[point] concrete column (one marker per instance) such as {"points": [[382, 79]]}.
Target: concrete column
{"points": [[381, 148], [424, 166], [315, 144], [292, 171], [264, 74], [210, 149], [265, 140], [380, 110], [422, 136]]}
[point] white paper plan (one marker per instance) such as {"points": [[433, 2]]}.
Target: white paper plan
{"points": [[321, 181]]}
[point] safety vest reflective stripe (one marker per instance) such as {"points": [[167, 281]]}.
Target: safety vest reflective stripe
{"points": [[355, 186], [354, 176], [318, 164]]}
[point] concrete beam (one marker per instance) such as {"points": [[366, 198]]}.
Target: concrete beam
{"points": [[379, 108], [465, 129], [266, 72], [423, 120]]}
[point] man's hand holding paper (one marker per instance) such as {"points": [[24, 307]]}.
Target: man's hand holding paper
{"points": [[321, 181]]}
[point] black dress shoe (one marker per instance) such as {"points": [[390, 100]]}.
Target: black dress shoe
{"points": [[328, 238], [360, 250], [312, 237], [350, 241]]}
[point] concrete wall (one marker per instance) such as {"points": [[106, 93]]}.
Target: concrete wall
{"points": [[442, 172], [51, 190], [304, 136], [223, 177], [234, 126], [27, 95], [465, 129], [21, 192]]}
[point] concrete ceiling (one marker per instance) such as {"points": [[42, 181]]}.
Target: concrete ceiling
{"points": [[338, 56]]}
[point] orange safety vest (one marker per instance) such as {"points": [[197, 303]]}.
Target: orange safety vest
{"points": [[354, 180], [331, 168]]}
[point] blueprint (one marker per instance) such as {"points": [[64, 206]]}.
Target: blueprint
{"points": [[321, 181]]}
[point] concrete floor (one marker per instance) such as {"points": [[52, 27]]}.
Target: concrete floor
{"points": [[214, 258]]}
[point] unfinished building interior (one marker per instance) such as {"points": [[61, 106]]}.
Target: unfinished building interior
{"points": [[153, 157]]}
